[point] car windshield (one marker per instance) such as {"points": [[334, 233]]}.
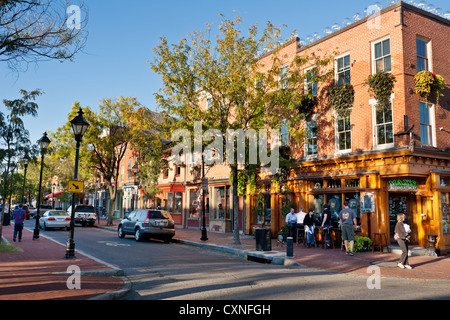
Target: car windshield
{"points": [[57, 213], [84, 209], [159, 215]]}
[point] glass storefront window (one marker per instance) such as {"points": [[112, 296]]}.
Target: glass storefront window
{"points": [[178, 202], [169, 202], [354, 203], [194, 205], [222, 203], [445, 207]]}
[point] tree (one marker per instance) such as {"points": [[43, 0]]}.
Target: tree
{"points": [[36, 30], [119, 125], [244, 93], [14, 138]]}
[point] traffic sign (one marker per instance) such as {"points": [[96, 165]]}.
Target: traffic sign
{"points": [[75, 187], [205, 184]]}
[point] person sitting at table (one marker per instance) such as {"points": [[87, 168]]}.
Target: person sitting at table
{"points": [[291, 220], [309, 225], [326, 223]]}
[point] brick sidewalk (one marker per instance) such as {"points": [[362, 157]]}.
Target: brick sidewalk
{"points": [[30, 275]]}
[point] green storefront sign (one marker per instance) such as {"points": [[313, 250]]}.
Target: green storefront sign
{"points": [[403, 184]]}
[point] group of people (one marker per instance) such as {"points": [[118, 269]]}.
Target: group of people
{"points": [[347, 220]]}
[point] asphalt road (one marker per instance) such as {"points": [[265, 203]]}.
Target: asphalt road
{"points": [[159, 270]]}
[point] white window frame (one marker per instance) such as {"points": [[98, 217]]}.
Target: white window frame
{"points": [[285, 123], [336, 70], [428, 48], [432, 124], [306, 80], [283, 77], [336, 135], [377, 146], [305, 147], [373, 43]]}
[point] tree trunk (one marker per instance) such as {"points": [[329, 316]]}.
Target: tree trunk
{"points": [[112, 196], [236, 240]]}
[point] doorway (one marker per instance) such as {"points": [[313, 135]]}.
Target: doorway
{"points": [[400, 203]]}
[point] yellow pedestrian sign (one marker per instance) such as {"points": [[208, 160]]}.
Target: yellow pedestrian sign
{"points": [[75, 187]]}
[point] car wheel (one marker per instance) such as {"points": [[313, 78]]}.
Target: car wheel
{"points": [[120, 232], [138, 235], [167, 240]]}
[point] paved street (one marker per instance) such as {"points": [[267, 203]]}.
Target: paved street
{"points": [[174, 271]]}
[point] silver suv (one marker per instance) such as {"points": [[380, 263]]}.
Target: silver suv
{"points": [[147, 223]]}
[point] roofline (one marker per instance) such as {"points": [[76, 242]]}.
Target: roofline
{"points": [[365, 19]]}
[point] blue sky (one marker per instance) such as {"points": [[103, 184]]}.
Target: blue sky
{"points": [[122, 35]]}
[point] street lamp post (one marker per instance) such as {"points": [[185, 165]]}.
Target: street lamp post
{"points": [[25, 162], [79, 127], [135, 169], [44, 142], [53, 195]]}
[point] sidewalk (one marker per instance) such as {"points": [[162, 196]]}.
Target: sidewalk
{"points": [[333, 260], [37, 273]]}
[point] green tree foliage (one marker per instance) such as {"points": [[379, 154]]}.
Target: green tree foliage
{"points": [[117, 126], [229, 72], [14, 138]]}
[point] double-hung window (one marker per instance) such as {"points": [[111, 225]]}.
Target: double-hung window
{"points": [[384, 127], [283, 78], [311, 138], [310, 82], [284, 132], [422, 54], [343, 134], [426, 124], [381, 55], [343, 69]]}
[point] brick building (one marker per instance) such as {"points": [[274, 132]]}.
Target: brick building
{"points": [[383, 162]]}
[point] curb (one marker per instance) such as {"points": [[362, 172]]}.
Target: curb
{"points": [[272, 257], [115, 295]]}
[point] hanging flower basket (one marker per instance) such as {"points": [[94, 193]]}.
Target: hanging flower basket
{"points": [[381, 86], [342, 98], [429, 84]]}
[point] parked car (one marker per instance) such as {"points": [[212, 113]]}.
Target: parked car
{"points": [[55, 219], [42, 209], [84, 214], [148, 223]]}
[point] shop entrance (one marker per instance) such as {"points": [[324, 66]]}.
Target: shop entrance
{"points": [[400, 202]]}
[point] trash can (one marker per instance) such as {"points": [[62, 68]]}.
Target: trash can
{"points": [[7, 219], [263, 239]]}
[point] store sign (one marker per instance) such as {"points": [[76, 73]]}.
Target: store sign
{"points": [[403, 184]]}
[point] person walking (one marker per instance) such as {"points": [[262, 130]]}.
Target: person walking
{"points": [[19, 218], [347, 220], [326, 224], [402, 239]]}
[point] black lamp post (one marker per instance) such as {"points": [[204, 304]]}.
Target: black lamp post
{"points": [[79, 127], [25, 162], [135, 170], [44, 142]]}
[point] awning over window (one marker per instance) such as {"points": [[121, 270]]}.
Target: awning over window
{"points": [[53, 195]]}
